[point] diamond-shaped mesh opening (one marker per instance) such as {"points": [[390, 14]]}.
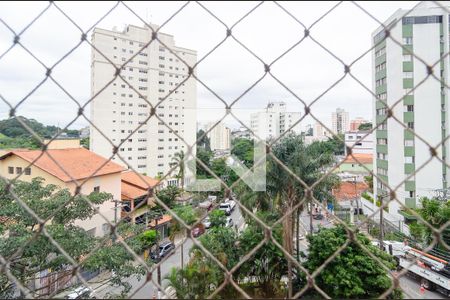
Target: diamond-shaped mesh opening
{"points": [[160, 210]]}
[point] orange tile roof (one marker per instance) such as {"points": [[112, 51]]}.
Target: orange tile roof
{"points": [[362, 158], [140, 180], [132, 192], [347, 190], [165, 219], [79, 163]]}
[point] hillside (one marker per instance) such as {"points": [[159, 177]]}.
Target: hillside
{"points": [[14, 135]]}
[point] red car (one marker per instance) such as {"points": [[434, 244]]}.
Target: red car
{"points": [[198, 231]]}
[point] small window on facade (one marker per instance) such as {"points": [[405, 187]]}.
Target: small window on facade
{"points": [[18, 170], [97, 189], [10, 170], [27, 171]]}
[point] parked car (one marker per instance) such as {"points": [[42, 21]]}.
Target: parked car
{"points": [[229, 222], [318, 217], [198, 230], [165, 249], [227, 206], [81, 292], [207, 222]]}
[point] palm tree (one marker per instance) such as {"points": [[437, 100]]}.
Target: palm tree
{"points": [[284, 191], [178, 159]]}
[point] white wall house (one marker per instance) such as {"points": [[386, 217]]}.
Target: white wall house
{"points": [[119, 110], [398, 152]]}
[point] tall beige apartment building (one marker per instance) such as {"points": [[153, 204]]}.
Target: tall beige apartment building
{"points": [[340, 121], [118, 110], [220, 136]]}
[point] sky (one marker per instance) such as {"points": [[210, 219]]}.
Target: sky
{"points": [[307, 70]]}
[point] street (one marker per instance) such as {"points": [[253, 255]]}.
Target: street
{"points": [[147, 291], [140, 290], [412, 287]]}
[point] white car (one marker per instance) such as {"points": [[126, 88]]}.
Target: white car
{"points": [[207, 222], [81, 292], [227, 206], [229, 222]]}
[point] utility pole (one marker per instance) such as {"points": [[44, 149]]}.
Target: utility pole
{"points": [[115, 220], [159, 258]]}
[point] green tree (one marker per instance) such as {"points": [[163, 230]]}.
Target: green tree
{"points": [[243, 149], [57, 205], [13, 128], [204, 141], [205, 156], [351, 274], [168, 195], [202, 276], [268, 264], [365, 126], [436, 213], [178, 159], [85, 142], [217, 218], [369, 181]]}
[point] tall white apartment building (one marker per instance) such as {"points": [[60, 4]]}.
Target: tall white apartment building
{"points": [[273, 121], [219, 136], [340, 121], [118, 110], [424, 110]]}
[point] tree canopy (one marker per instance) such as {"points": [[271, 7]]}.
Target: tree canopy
{"points": [[58, 205], [353, 273]]}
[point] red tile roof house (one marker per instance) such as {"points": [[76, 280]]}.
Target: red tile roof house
{"points": [[80, 165], [348, 194], [135, 190]]}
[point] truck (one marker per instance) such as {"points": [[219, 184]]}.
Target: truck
{"points": [[227, 206], [433, 272]]}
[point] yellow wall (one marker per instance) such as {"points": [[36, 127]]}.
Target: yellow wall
{"points": [[15, 161], [110, 183], [63, 143]]}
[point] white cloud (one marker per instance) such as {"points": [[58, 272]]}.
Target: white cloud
{"points": [[307, 70]]}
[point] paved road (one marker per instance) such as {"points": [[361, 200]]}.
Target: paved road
{"points": [[411, 286], [147, 291]]}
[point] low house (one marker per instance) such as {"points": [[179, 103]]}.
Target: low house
{"points": [[348, 194], [137, 188], [358, 163], [161, 224], [74, 166]]}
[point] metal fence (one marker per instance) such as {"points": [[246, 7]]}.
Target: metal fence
{"points": [[307, 33]]}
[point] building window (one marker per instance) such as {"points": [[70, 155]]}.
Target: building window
{"points": [[409, 107], [97, 189], [407, 40], [409, 159], [409, 143], [10, 170], [407, 74], [407, 57], [18, 170], [411, 125], [27, 171]]}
